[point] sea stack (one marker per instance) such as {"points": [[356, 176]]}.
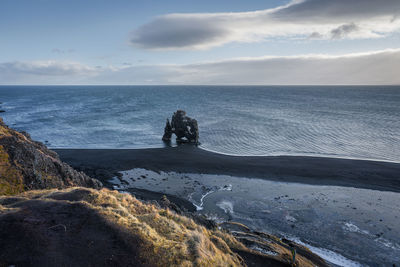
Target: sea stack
{"points": [[184, 127]]}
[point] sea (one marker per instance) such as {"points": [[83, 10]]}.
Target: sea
{"points": [[360, 122]]}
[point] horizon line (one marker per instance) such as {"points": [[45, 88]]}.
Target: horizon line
{"points": [[253, 85]]}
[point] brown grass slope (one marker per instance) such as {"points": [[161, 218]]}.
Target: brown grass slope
{"points": [[88, 227], [26, 164]]}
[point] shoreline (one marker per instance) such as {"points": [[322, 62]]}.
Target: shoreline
{"points": [[312, 155], [367, 174]]}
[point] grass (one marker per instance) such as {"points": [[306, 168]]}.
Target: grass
{"points": [[11, 180], [165, 238]]}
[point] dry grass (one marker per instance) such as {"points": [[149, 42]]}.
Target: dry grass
{"points": [[165, 238], [11, 181], [157, 236]]}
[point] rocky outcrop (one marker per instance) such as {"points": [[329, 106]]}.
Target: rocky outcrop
{"points": [[167, 131], [279, 250], [26, 164], [184, 127]]}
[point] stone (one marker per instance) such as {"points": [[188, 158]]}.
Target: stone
{"points": [[167, 131], [26, 164], [185, 128]]}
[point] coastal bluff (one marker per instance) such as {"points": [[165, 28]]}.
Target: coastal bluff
{"points": [[26, 164]]}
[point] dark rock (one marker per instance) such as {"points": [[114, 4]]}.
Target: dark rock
{"points": [[184, 127], [26, 164], [1, 111], [203, 220], [166, 204], [167, 132], [263, 244]]}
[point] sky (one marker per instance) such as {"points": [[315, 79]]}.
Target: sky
{"points": [[210, 42]]}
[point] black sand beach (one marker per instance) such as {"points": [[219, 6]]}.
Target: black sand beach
{"points": [[366, 174]]}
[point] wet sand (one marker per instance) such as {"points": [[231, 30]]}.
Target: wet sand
{"points": [[366, 174]]}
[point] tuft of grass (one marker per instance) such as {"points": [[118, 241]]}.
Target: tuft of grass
{"points": [[11, 180], [165, 238]]}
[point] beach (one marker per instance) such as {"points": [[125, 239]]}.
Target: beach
{"points": [[376, 175], [339, 208]]}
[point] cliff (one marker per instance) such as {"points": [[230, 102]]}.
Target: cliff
{"points": [[26, 164]]}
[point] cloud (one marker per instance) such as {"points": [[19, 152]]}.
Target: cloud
{"points": [[62, 51], [326, 18], [315, 35], [47, 68], [343, 31], [380, 67], [327, 11], [45, 72], [377, 67], [176, 32]]}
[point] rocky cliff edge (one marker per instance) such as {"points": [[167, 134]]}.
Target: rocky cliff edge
{"points": [[26, 164]]}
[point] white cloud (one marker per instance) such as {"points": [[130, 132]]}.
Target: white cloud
{"points": [[323, 18], [45, 72], [378, 67], [47, 68]]}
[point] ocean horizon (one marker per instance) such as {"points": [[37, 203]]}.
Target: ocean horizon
{"points": [[355, 122]]}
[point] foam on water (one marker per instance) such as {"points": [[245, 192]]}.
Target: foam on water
{"points": [[199, 206], [348, 226], [328, 255], [226, 206]]}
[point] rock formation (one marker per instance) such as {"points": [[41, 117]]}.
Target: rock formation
{"points": [[26, 164], [167, 131], [184, 127]]}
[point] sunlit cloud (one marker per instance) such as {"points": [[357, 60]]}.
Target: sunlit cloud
{"points": [[375, 68], [321, 19]]}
